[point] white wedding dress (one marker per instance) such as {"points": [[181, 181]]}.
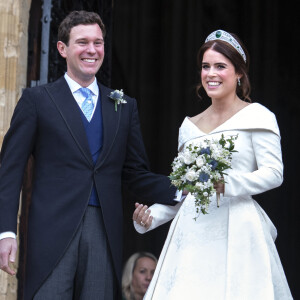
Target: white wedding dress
{"points": [[230, 252]]}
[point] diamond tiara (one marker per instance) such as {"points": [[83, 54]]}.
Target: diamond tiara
{"points": [[226, 37]]}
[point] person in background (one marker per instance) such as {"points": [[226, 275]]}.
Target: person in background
{"points": [[137, 274]]}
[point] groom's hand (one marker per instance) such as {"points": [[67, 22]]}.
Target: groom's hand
{"points": [[8, 250], [141, 215]]}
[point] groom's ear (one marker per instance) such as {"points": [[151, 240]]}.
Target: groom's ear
{"points": [[61, 47]]}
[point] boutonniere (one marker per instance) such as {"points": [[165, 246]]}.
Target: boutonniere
{"points": [[117, 96]]}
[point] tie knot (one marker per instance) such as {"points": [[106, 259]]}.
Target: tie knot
{"points": [[87, 93]]}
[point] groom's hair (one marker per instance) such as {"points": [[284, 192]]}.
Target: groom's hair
{"points": [[76, 18]]}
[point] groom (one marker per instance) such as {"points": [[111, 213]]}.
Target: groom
{"points": [[85, 146]]}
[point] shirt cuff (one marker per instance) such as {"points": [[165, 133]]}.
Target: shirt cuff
{"points": [[7, 234]]}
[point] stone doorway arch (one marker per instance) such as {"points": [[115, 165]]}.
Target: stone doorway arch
{"points": [[14, 16]]}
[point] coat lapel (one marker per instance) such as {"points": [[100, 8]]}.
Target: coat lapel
{"points": [[62, 97], [111, 123]]}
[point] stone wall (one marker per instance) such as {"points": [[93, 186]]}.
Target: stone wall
{"points": [[14, 16]]}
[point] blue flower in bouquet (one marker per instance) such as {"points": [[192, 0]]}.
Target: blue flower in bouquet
{"points": [[205, 151], [213, 164], [203, 177]]}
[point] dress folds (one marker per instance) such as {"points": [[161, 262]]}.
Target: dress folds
{"points": [[230, 252]]}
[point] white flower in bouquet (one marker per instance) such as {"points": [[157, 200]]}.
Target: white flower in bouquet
{"points": [[199, 166], [200, 161], [188, 157], [191, 175]]}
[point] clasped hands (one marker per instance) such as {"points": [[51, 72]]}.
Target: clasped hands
{"points": [[142, 216]]}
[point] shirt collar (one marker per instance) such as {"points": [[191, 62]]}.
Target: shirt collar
{"points": [[75, 86]]}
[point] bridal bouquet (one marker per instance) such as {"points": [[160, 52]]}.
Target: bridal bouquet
{"points": [[199, 166]]}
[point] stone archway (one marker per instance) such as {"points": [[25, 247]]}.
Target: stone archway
{"points": [[14, 16]]}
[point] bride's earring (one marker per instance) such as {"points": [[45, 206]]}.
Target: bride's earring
{"points": [[239, 81]]}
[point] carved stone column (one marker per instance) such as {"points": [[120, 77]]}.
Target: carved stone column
{"points": [[14, 15]]}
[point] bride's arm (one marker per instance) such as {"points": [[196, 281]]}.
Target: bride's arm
{"points": [[161, 214], [269, 175]]}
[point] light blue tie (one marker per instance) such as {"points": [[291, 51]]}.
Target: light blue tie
{"points": [[87, 106]]}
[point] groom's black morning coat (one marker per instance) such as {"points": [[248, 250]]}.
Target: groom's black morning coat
{"points": [[47, 124]]}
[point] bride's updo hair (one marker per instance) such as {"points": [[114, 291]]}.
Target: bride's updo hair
{"points": [[241, 67]]}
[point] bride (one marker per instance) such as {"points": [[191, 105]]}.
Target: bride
{"points": [[228, 253]]}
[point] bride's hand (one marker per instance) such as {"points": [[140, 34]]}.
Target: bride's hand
{"points": [[219, 187], [142, 216]]}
